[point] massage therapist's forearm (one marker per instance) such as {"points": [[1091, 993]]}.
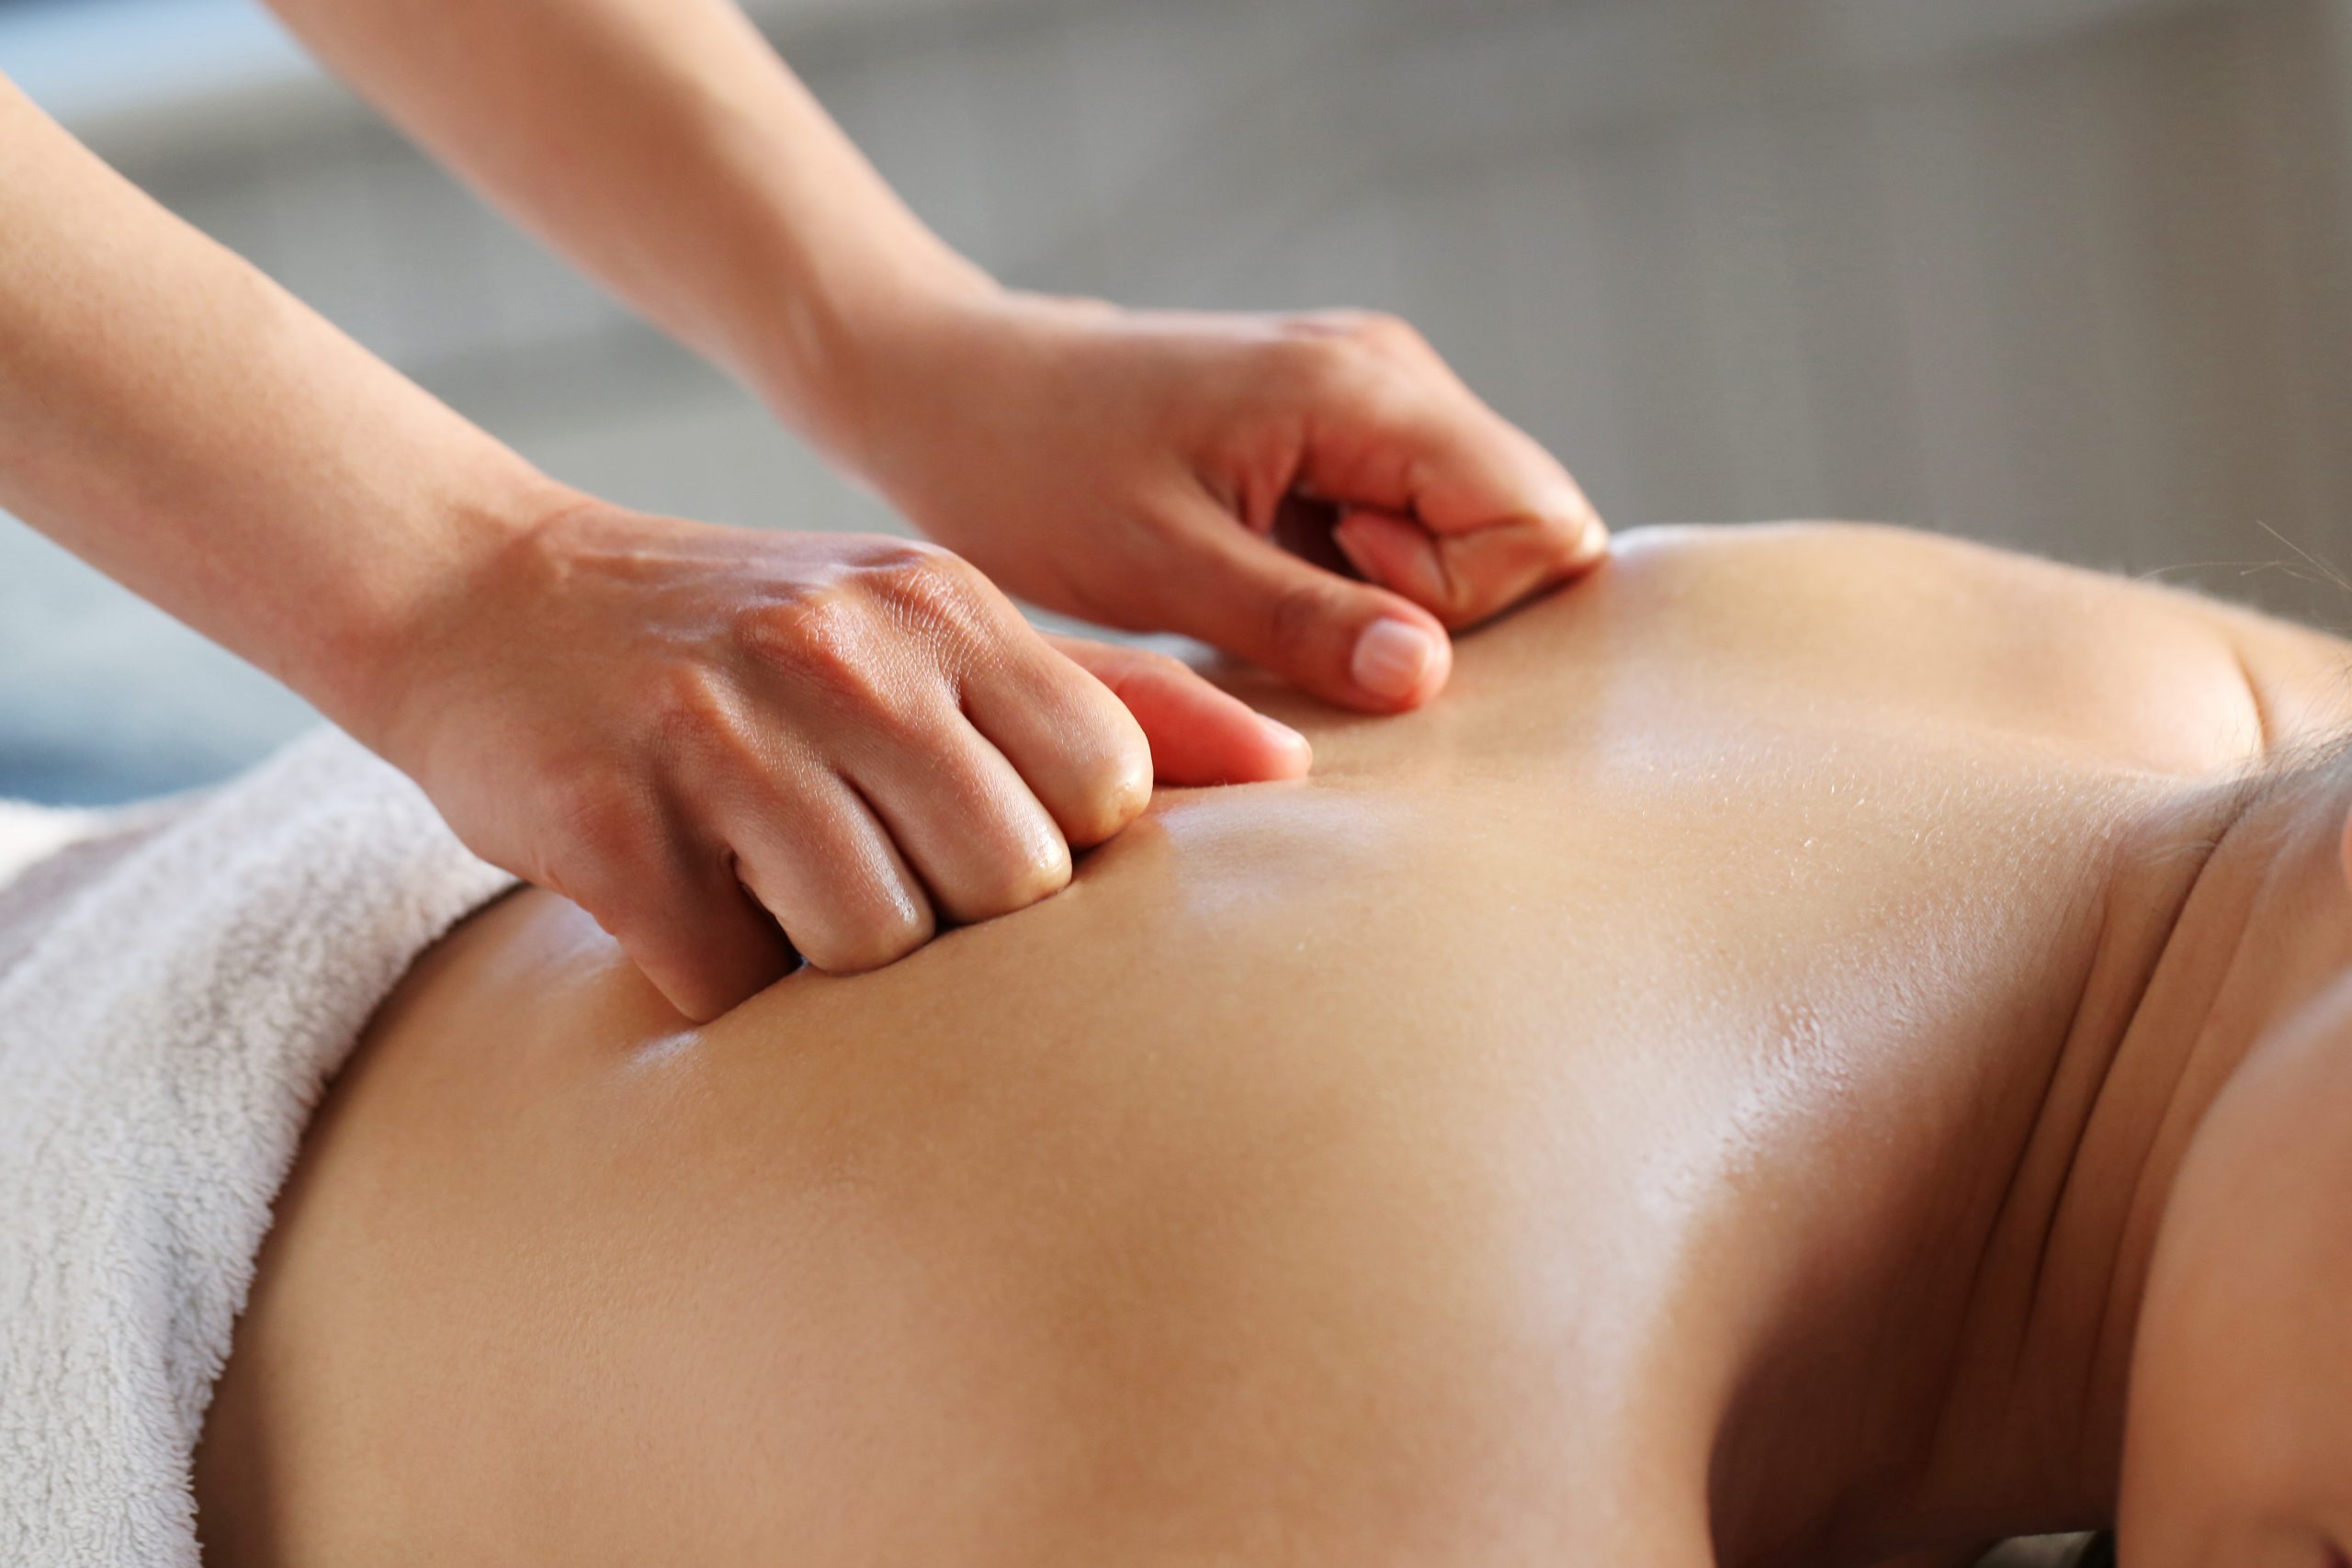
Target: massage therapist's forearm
{"points": [[1125, 467], [190, 428], [726, 744], [663, 146]]}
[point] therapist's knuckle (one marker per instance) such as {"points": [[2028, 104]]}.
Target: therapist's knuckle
{"points": [[824, 645], [1112, 784], [1464, 609], [1017, 871], [1360, 344], [1321, 367], [854, 942], [1388, 334], [929, 588], [1461, 600], [798, 633]]}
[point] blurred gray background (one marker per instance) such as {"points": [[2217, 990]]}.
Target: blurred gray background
{"points": [[2071, 275]]}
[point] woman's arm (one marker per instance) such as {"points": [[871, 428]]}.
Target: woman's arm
{"points": [[1126, 468], [192, 430], [688, 729], [663, 146]]}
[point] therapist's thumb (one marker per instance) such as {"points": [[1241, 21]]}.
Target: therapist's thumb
{"points": [[1348, 642]]}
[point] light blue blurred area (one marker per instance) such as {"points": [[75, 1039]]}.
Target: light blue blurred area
{"points": [[106, 698], [86, 59]]}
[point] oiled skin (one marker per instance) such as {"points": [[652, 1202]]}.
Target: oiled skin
{"points": [[1420, 1164]]}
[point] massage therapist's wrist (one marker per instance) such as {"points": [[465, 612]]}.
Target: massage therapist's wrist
{"points": [[448, 575], [827, 358]]}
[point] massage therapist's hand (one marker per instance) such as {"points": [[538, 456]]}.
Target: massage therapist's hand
{"points": [[690, 730], [1131, 468]]}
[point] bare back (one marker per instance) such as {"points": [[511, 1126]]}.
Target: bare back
{"points": [[1331, 1173]]}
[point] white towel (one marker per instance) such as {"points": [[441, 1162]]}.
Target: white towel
{"points": [[163, 1037], [29, 834]]}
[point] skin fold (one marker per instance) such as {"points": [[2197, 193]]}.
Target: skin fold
{"points": [[1710, 1090]]}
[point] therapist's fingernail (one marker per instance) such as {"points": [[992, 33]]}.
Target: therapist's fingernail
{"points": [[1391, 657]]}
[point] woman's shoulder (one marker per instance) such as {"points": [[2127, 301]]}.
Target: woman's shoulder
{"points": [[2166, 679]]}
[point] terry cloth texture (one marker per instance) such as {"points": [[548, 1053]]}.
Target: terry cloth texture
{"points": [[176, 988]]}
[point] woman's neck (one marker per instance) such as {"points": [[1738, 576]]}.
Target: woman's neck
{"points": [[1963, 1378]]}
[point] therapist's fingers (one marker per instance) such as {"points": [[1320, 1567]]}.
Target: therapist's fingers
{"points": [[1399, 430], [1198, 733], [1463, 578], [864, 733], [706, 946], [681, 918], [816, 859], [1356, 644], [966, 819], [1393, 431], [1077, 748]]}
